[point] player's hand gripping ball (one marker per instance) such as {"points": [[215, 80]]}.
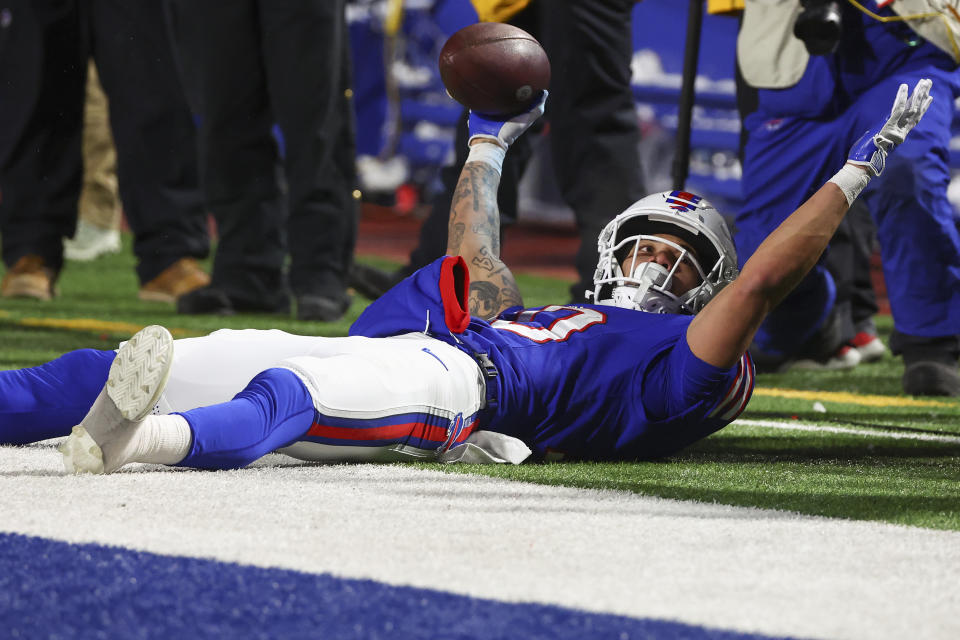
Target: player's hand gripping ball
{"points": [[494, 69]]}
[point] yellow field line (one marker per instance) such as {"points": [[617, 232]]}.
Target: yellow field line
{"points": [[846, 397], [90, 324]]}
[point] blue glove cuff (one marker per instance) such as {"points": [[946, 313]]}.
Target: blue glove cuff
{"points": [[482, 126], [871, 151], [505, 131]]}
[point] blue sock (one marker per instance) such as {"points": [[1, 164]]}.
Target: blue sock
{"points": [[48, 400], [274, 410]]}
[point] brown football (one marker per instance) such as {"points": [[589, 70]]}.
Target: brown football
{"points": [[494, 68]]}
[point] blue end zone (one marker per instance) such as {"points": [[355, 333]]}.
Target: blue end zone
{"points": [[53, 589]]}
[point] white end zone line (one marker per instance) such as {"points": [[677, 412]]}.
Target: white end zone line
{"points": [[810, 426], [737, 568]]}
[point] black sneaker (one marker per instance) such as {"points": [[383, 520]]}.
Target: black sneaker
{"points": [[205, 300], [930, 364], [321, 308], [929, 378], [214, 301], [371, 282]]}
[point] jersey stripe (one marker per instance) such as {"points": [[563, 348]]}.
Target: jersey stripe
{"points": [[744, 398], [732, 403], [731, 392], [419, 430], [738, 395]]}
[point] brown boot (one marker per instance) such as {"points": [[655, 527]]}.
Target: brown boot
{"points": [[30, 277], [183, 276]]}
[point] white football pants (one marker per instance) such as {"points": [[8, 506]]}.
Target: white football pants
{"points": [[351, 377]]}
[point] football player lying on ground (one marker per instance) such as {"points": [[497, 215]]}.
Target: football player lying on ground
{"points": [[448, 365]]}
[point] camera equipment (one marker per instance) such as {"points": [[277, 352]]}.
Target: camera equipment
{"points": [[819, 25]]}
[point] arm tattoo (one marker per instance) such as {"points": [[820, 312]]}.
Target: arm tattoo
{"points": [[475, 202], [487, 299], [484, 299], [474, 233], [510, 294], [455, 237], [484, 260]]}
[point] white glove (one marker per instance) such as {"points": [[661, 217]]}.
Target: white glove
{"points": [[504, 132], [870, 151]]}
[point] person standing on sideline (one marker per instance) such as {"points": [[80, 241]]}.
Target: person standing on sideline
{"points": [[814, 98], [249, 65], [41, 164]]}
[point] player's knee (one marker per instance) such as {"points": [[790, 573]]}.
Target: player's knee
{"points": [[283, 385], [284, 404]]}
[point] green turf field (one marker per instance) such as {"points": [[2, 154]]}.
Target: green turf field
{"points": [[873, 454]]}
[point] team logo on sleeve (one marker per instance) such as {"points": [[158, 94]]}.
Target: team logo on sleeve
{"points": [[453, 432], [683, 201]]}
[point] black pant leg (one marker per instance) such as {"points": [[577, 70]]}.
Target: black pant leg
{"points": [[154, 134], [41, 111], [345, 154], [943, 349], [840, 260], [863, 299], [220, 50], [307, 61], [593, 123]]}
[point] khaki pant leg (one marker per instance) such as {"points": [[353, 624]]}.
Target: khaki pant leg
{"points": [[99, 201]]}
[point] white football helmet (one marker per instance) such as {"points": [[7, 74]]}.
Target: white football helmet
{"points": [[677, 213]]}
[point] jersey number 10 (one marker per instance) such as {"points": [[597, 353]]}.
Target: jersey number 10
{"points": [[558, 325]]}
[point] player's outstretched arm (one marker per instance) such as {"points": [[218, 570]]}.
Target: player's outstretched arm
{"points": [[474, 228], [724, 328]]}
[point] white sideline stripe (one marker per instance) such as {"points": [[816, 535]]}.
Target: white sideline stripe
{"points": [[812, 426], [736, 568]]}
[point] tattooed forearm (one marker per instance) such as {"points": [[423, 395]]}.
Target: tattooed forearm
{"points": [[474, 233], [475, 206], [455, 237]]}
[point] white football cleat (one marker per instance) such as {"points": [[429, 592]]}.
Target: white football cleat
{"points": [[106, 438]]}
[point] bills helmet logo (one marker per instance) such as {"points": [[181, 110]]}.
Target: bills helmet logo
{"points": [[683, 201]]}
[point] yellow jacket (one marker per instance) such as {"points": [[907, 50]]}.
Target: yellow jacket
{"points": [[724, 6], [498, 10]]}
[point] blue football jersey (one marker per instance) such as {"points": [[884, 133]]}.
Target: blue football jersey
{"points": [[578, 381]]}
